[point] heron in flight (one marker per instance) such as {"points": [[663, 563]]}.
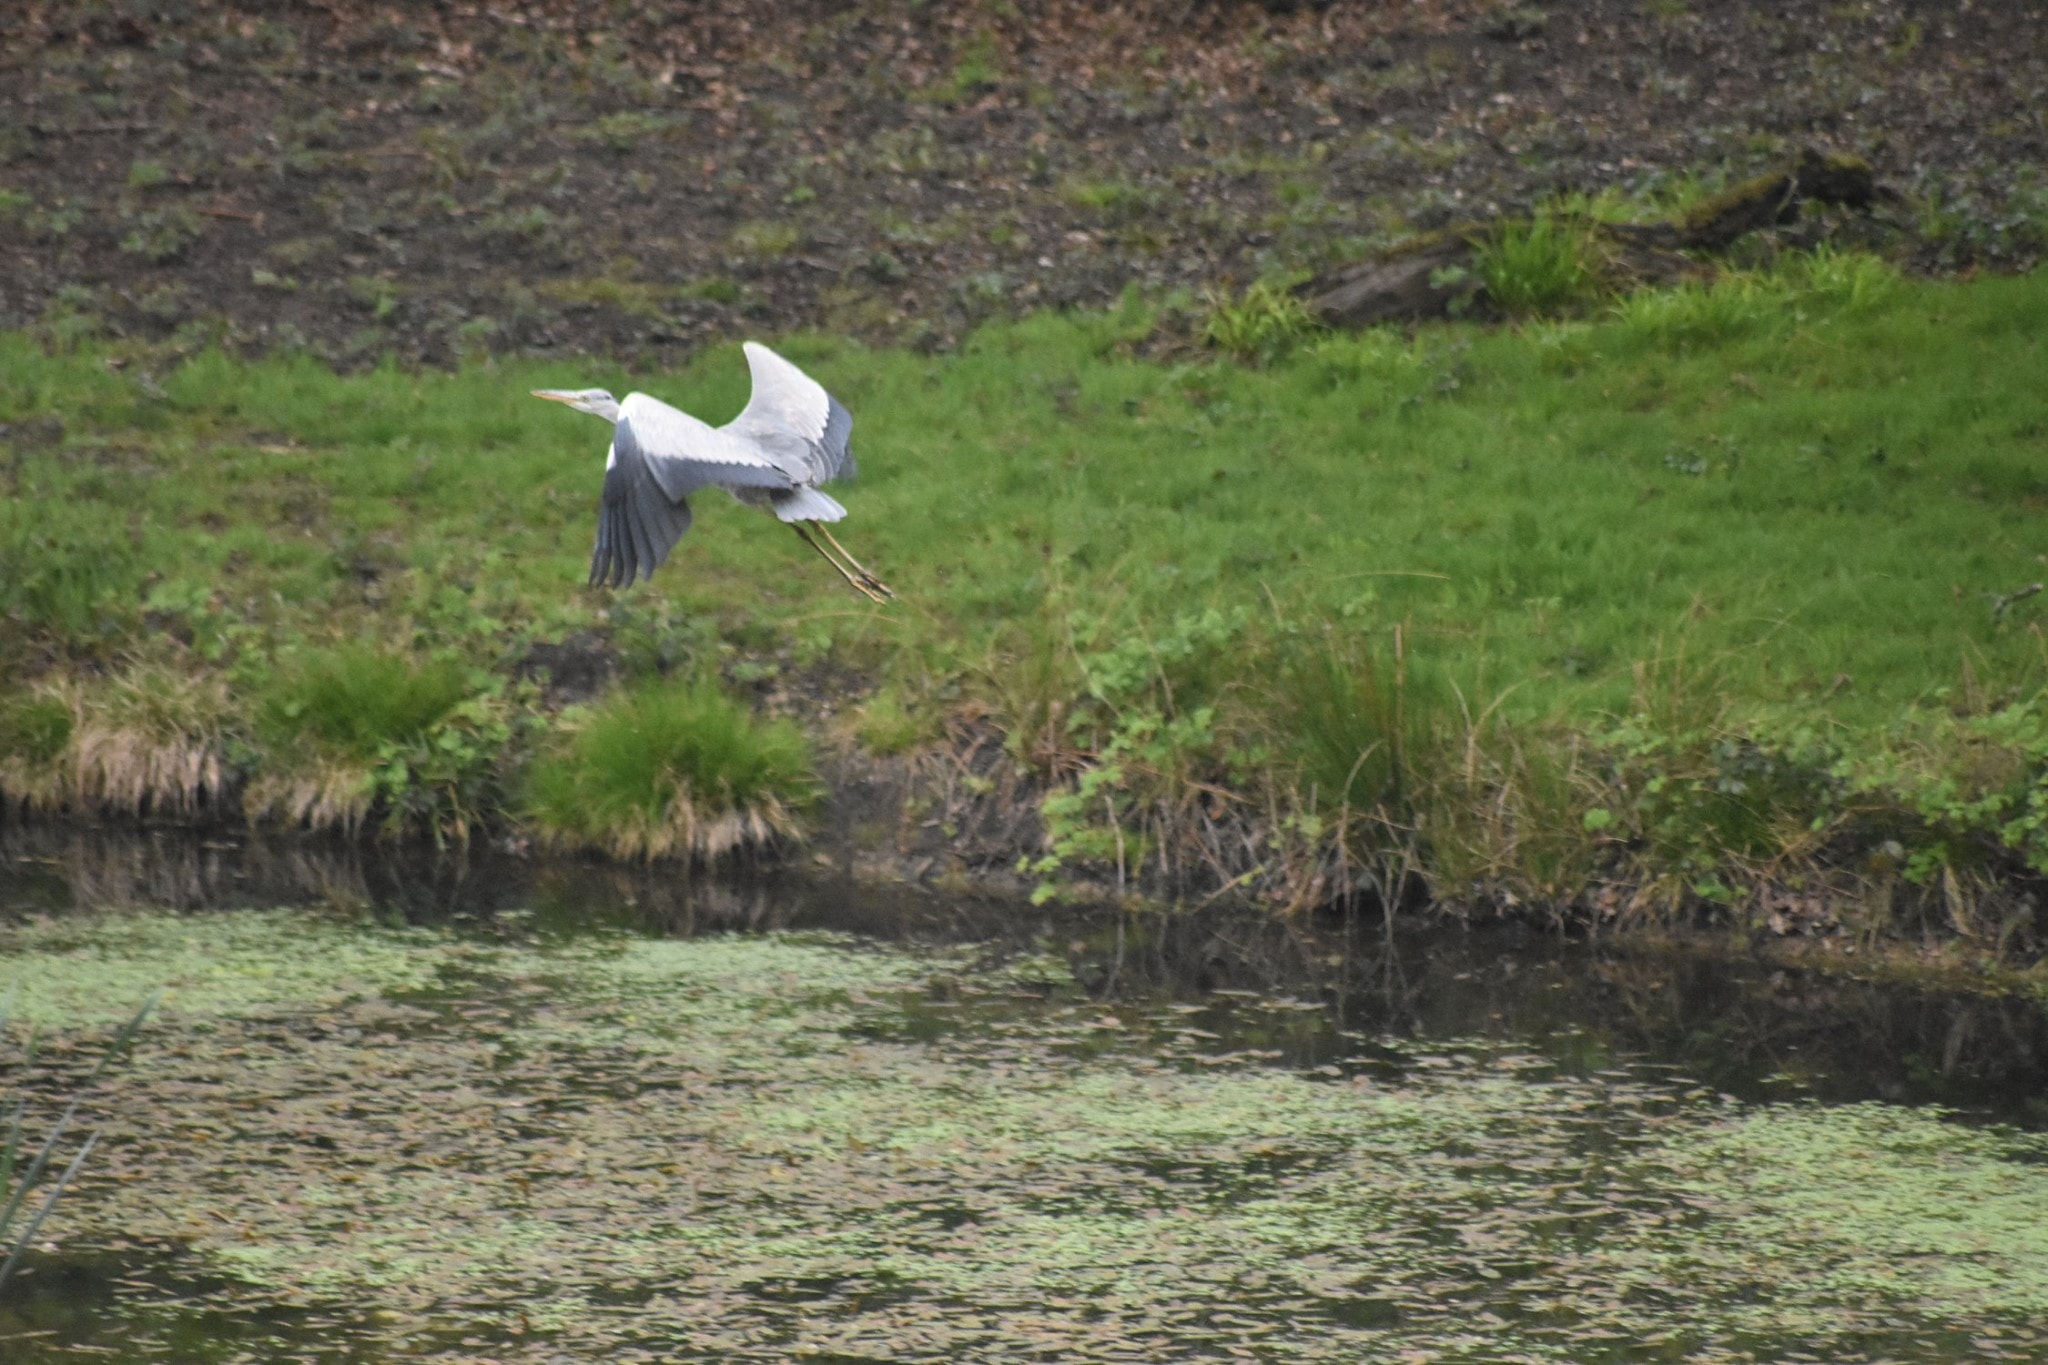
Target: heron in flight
{"points": [[791, 437]]}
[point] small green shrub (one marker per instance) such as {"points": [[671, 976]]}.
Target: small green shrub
{"points": [[671, 769], [1260, 325], [1117, 201], [162, 235], [891, 725], [762, 238], [1545, 265]]}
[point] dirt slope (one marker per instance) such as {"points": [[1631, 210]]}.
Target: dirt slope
{"points": [[544, 177]]}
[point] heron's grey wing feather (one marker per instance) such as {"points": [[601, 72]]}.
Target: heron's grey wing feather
{"points": [[684, 455], [804, 429], [638, 523]]}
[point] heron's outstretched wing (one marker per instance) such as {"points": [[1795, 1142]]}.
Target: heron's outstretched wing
{"points": [[638, 523], [802, 428]]}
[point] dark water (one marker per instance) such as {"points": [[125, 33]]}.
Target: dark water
{"points": [[1738, 1022], [1328, 998]]}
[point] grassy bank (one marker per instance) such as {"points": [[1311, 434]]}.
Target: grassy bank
{"points": [[1711, 598]]}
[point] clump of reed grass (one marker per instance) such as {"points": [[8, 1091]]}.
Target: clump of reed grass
{"points": [[1693, 314], [1547, 264], [333, 721], [353, 700], [152, 741], [1505, 820], [1362, 726], [147, 741], [671, 770]]}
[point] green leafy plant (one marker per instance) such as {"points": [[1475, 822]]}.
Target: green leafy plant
{"points": [[1259, 326]]}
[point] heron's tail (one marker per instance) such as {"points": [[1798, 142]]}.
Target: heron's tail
{"points": [[805, 504]]}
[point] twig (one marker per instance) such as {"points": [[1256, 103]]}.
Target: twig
{"points": [[2002, 604]]}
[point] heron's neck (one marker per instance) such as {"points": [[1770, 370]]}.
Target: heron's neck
{"points": [[607, 409]]}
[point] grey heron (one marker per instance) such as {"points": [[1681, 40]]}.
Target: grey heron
{"points": [[791, 437]]}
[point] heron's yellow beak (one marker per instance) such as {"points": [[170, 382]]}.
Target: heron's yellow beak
{"points": [[555, 395]]}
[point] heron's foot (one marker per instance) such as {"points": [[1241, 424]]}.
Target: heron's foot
{"points": [[860, 570], [859, 579]]}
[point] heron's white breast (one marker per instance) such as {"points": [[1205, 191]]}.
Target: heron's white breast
{"points": [[611, 457]]}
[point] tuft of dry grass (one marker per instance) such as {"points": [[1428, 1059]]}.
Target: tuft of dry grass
{"points": [[682, 830], [147, 742], [321, 794], [151, 742]]}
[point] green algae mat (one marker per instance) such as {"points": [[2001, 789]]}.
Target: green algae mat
{"points": [[339, 1140]]}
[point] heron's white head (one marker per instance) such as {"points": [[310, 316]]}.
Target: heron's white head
{"points": [[596, 402]]}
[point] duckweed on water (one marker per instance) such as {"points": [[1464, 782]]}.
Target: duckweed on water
{"points": [[229, 963], [736, 1149]]}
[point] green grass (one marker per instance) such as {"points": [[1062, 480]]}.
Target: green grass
{"points": [[1810, 484], [34, 727], [667, 769], [352, 702]]}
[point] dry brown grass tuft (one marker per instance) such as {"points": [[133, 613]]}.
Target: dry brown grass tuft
{"points": [[681, 831], [151, 741], [147, 742], [132, 772], [323, 796]]}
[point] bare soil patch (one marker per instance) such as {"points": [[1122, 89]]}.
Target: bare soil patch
{"points": [[367, 179]]}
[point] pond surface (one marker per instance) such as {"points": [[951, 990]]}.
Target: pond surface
{"points": [[393, 1108]]}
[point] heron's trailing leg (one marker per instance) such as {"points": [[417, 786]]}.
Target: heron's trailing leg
{"points": [[863, 589], [859, 568]]}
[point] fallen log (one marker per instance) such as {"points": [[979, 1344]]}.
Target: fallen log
{"points": [[1436, 275]]}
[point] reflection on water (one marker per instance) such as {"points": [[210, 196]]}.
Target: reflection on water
{"points": [[1749, 1028]]}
